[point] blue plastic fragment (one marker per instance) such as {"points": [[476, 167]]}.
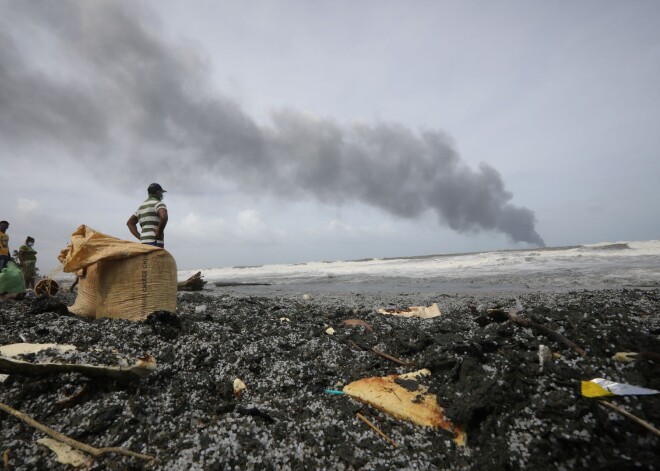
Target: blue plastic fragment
{"points": [[334, 391]]}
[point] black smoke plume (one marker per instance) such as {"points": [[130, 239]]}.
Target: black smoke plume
{"points": [[92, 79]]}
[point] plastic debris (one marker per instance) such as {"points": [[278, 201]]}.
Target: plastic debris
{"points": [[624, 357], [47, 286], [414, 311], [239, 387], [11, 279], [330, 331], [16, 349], [600, 387], [65, 453], [545, 356], [629, 357], [8, 364], [285, 319], [402, 397], [334, 391], [201, 308]]}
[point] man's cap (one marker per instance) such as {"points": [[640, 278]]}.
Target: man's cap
{"points": [[155, 187]]}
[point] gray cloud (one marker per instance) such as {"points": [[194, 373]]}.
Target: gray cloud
{"points": [[136, 104]]}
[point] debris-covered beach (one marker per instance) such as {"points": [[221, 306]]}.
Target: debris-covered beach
{"points": [[517, 411]]}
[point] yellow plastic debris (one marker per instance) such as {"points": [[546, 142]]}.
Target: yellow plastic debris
{"points": [[591, 389], [414, 311], [411, 402], [600, 387]]}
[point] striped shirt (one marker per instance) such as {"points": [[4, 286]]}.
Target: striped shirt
{"points": [[148, 218]]}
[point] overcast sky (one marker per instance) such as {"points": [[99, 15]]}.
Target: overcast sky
{"points": [[292, 131]]}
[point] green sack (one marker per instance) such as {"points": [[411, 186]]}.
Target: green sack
{"points": [[11, 279]]}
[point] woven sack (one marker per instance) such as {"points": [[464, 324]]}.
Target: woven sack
{"points": [[88, 293], [119, 279]]}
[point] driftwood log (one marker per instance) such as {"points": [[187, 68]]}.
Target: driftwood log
{"points": [[194, 283]]}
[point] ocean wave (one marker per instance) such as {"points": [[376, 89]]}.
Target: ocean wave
{"points": [[614, 246]]}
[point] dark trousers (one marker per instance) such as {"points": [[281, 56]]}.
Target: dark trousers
{"points": [[4, 260]]}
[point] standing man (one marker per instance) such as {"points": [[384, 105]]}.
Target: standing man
{"points": [[152, 216], [4, 245], [28, 258]]}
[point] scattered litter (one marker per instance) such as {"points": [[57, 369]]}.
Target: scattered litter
{"points": [[414, 311], [65, 453], [11, 279], [306, 297], [239, 387], [47, 286], [201, 308], [402, 397], [600, 387], [9, 365], [194, 283], [624, 357], [628, 357], [545, 356], [357, 322], [95, 452], [285, 319], [333, 391], [330, 331], [68, 400], [15, 349]]}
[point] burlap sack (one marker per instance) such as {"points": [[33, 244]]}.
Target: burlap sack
{"points": [[119, 279], [88, 293]]}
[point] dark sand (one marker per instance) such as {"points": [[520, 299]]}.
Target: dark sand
{"points": [[486, 376]]}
